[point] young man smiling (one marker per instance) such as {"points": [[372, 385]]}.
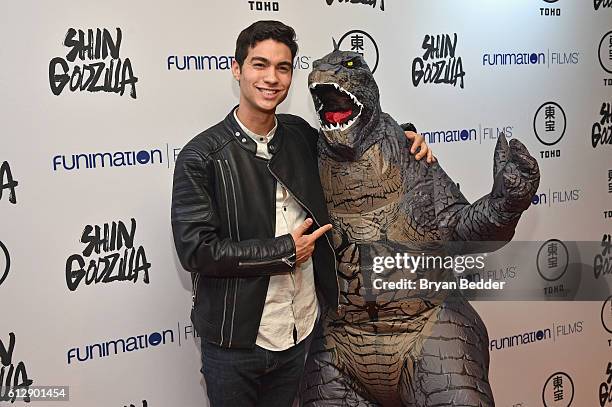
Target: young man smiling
{"points": [[249, 222]]}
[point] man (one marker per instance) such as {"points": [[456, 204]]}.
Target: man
{"points": [[249, 222]]}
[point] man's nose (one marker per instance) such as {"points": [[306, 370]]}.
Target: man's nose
{"points": [[271, 75]]}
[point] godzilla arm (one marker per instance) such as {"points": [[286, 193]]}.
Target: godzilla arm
{"points": [[494, 216]]}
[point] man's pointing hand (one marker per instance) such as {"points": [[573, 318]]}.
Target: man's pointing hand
{"points": [[304, 244]]}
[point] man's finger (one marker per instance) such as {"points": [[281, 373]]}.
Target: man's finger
{"points": [[300, 230], [421, 153], [321, 231], [430, 157]]}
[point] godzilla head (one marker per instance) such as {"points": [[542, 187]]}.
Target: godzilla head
{"points": [[347, 101]]}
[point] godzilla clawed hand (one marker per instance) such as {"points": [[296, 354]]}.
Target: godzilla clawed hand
{"points": [[516, 175]]}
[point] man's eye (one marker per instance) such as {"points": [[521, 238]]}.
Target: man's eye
{"points": [[283, 69], [258, 65]]}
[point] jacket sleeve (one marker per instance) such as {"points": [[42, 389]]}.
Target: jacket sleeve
{"points": [[196, 226]]}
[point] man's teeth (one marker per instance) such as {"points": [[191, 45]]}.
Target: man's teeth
{"points": [[269, 92]]}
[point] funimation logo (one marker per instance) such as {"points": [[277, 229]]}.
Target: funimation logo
{"points": [[217, 62], [605, 52], [119, 346], [525, 58], [12, 376], [439, 63], [601, 132], [116, 257], [558, 390], [606, 315], [81, 161], [362, 43], [467, 134], [263, 5], [367, 2], [531, 58], [552, 260], [556, 331], [602, 263], [199, 62], [520, 339], [7, 182], [5, 265], [102, 69]]}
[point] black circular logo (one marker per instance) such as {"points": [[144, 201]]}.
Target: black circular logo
{"points": [[605, 52], [549, 123], [606, 314], [361, 42], [552, 260], [558, 390], [551, 1], [5, 264]]}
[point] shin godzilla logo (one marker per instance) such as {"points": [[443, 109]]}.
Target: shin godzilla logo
{"points": [[92, 64], [440, 63], [113, 256]]}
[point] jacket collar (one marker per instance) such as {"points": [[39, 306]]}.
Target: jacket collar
{"points": [[247, 142]]}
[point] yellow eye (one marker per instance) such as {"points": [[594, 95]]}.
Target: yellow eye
{"points": [[349, 64]]}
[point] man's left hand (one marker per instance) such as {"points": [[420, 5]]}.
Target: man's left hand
{"points": [[419, 141]]}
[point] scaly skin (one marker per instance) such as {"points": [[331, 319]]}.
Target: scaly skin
{"points": [[400, 347]]}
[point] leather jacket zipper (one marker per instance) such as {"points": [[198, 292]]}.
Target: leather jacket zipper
{"points": [[258, 263], [318, 225], [194, 297]]}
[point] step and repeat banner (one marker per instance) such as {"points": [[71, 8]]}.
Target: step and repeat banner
{"points": [[99, 97]]}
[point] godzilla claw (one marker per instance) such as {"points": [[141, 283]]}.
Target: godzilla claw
{"points": [[517, 175], [501, 154]]}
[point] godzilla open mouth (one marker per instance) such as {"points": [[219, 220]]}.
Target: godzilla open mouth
{"points": [[337, 108]]}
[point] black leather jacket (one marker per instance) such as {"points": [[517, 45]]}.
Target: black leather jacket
{"points": [[223, 220]]}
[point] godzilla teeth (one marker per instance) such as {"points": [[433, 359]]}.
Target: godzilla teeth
{"points": [[336, 126]]}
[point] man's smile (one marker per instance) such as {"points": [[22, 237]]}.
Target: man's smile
{"points": [[268, 92]]}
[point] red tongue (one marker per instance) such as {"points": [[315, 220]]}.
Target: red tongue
{"points": [[338, 117]]}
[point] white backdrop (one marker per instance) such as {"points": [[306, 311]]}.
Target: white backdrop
{"points": [[53, 205]]}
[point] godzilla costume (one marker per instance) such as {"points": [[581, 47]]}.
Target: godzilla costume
{"points": [[398, 347]]}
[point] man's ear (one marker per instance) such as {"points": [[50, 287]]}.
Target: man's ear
{"points": [[236, 70]]}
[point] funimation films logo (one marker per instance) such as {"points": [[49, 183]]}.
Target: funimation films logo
{"points": [[362, 43], [601, 132], [439, 63], [99, 66], [558, 390]]}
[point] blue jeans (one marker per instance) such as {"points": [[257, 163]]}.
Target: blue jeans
{"points": [[252, 377]]}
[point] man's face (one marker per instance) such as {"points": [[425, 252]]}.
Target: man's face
{"points": [[265, 76]]}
